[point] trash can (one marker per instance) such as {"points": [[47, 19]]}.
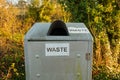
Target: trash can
{"points": [[58, 51]]}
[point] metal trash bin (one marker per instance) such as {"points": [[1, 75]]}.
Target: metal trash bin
{"points": [[58, 51]]}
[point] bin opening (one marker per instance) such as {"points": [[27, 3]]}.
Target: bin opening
{"points": [[58, 28]]}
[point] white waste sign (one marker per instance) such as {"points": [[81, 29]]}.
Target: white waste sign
{"points": [[57, 49], [77, 30]]}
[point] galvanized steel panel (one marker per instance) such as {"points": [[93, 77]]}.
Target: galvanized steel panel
{"points": [[72, 64]]}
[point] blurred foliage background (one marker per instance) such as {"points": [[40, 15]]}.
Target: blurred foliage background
{"points": [[102, 17]]}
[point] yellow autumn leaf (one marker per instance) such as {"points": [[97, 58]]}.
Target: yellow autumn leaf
{"points": [[96, 19], [13, 65]]}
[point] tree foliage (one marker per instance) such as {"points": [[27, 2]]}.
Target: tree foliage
{"points": [[47, 11], [11, 43]]}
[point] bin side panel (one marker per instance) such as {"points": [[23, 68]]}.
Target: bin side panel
{"points": [[71, 67]]}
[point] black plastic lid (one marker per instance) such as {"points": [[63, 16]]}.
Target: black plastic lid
{"points": [[58, 28]]}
